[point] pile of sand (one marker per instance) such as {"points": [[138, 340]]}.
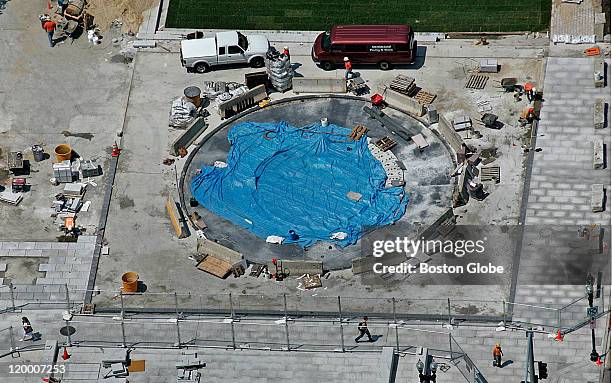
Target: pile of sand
{"points": [[129, 12]]}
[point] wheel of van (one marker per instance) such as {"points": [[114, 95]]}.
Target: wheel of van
{"points": [[384, 65], [257, 62], [327, 65], [201, 67]]}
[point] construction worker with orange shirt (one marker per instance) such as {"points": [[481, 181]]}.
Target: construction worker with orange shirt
{"points": [[497, 354], [349, 68], [49, 26], [529, 91]]}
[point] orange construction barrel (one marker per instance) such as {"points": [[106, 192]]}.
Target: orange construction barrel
{"points": [[63, 152], [129, 282], [192, 93]]}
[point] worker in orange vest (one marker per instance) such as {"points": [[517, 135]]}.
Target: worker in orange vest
{"points": [[529, 91], [49, 26], [497, 354], [349, 68], [286, 52]]}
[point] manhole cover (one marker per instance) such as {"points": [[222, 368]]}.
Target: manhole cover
{"points": [[67, 330]]}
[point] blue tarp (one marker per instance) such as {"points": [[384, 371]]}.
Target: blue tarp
{"points": [[280, 178]]}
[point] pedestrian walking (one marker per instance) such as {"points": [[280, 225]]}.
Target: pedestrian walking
{"points": [[49, 26], [349, 68], [28, 331], [363, 330], [497, 355]]}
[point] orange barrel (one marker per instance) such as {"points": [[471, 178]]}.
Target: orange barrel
{"points": [[63, 152], [129, 282], [193, 95]]}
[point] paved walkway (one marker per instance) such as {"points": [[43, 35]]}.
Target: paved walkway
{"points": [[567, 360], [572, 22], [58, 265]]}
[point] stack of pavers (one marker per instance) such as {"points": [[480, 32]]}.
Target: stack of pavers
{"points": [[62, 171], [395, 174], [403, 84]]}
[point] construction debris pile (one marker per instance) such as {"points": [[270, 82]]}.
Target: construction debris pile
{"points": [[221, 91], [69, 171], [279, 70]]}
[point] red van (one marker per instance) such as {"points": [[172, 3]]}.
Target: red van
{"points": [[382, 45]]}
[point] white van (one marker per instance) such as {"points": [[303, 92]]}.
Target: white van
{"points": [[224, 48]]}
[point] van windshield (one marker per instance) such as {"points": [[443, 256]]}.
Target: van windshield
{"points": [[243, 42], [326, 41]]}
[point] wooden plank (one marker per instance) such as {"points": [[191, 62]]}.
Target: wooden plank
{"points": [[218, 267], [208, 247], [137, 365], [175, 217]]}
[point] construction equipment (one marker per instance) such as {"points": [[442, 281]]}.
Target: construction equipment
{"points": [[489, 120], [509, 84], [357, 86], [15, 162], [18, 185]]}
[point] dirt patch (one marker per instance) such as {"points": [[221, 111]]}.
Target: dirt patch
{"points": [[129, 12], [126, 202], [466, 310], [86, 136]]}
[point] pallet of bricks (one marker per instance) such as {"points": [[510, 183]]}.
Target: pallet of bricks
{"points": [[403, 84]]}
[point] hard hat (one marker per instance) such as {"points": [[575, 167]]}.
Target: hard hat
{"points": [[286, 48], [346, 59], [496, 344]]}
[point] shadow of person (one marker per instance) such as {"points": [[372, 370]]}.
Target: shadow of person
{"points": [[376, 337], [506, 363]]}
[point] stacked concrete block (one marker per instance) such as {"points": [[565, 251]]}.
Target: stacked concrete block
{"points": [[62, 171], [598, 154], [599, 70], [401, 101], [599, 119], [488, 66], [597, 198]]}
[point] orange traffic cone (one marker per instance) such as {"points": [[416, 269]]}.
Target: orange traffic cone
{"points": [[559, 337], [65, 356]]}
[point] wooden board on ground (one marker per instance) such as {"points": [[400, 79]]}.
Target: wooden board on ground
{"points": [[299, 267], [490, 173], [216, 266], [208, 247], [476, 81], [175, 218], [311, 281], [420, 141], [358, 132], [136, 365], [385, 143], [424, 97]]}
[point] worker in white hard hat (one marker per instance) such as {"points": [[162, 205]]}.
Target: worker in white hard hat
{"points": [[349, 68], [286, 51]]}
